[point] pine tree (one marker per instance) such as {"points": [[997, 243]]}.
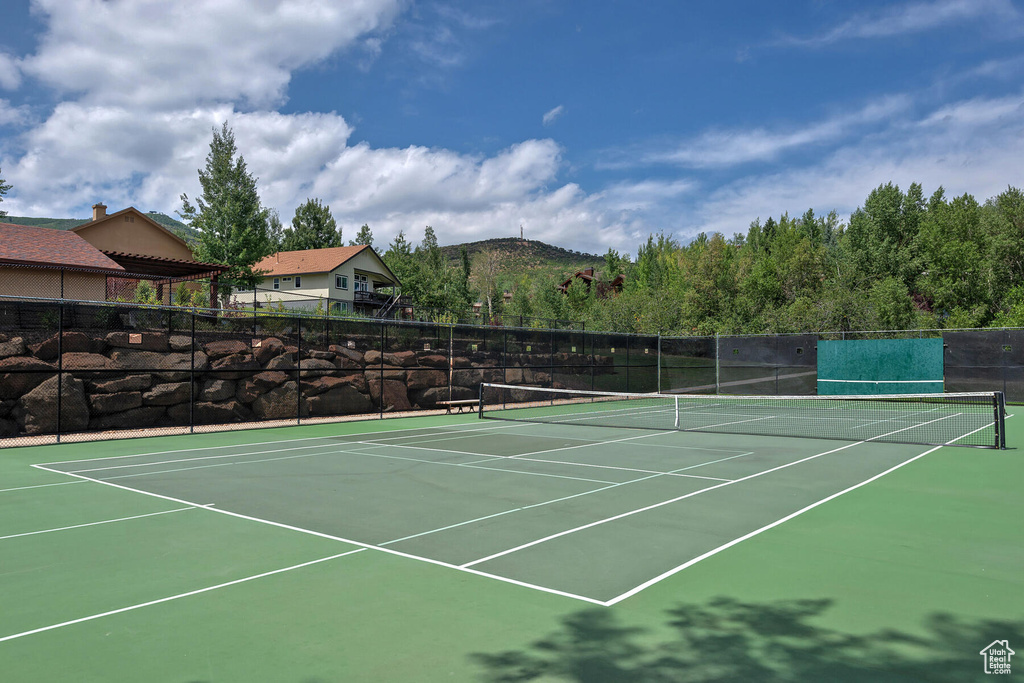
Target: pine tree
{"points": [[364, 236], [313, 227], [233, 226]]}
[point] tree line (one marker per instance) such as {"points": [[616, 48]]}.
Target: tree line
{"points": [[901, 261]]}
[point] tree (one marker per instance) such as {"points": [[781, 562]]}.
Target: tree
{"points": [[233, 226], [313, 227], [3, 191], [487, 266], [364, 236]]}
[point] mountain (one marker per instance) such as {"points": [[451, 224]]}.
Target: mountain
{"points": [[177, 227], [521, 254]]}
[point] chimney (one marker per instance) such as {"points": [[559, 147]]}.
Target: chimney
{"points": [[99, 211]]}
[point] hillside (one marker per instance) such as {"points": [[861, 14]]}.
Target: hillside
{"points": [[516, 254], [177, 227]]}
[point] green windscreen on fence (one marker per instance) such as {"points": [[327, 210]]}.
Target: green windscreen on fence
{"points": [[880, 366]]}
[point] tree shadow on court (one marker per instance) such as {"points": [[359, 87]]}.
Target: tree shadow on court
{"points": [[729, 640]]}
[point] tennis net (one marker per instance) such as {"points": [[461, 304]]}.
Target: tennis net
{"points": [[956, 419]]}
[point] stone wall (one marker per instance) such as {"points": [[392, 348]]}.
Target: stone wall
{"points": [[127, 380]]}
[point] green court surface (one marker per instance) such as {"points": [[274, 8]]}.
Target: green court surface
{"points": [[458, 549]]}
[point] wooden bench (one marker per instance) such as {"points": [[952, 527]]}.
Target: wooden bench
{"points": [[472, 403]]}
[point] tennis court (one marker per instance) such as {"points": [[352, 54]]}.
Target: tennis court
{"points": [[541, 506]]}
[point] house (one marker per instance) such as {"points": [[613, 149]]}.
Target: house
{"points": [[587, 275], [341, 279], [52, 264], [104, 259], [142, 246]]}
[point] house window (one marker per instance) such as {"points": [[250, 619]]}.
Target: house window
{"points": [[298, 281], [361, 283], [341, 281], [343, 306], [277, 283]]}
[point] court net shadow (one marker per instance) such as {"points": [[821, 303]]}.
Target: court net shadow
{"points": [[729, 640]]}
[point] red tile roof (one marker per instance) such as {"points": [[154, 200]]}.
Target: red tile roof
{"points": [[47, 247], [307, 261]]}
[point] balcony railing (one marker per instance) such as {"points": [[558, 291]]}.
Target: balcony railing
{"points": [[377, 299]]}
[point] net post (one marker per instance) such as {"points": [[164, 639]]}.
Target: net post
{"points": [[999, 406], [480, 402], [676, 398], [718, 366]]}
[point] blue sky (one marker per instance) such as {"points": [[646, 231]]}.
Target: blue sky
{"points": [[591, 124]]}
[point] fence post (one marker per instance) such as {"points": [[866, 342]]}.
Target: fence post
{"points": [[659, 363], [298, 373], [192, 378], [60, 354], [383, 341], [718, 365]]}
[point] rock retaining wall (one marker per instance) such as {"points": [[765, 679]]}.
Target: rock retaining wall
{"points": [[127, 380]]}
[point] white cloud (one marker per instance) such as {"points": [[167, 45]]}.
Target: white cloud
{"points": [[551, 116], [10, 74], [911, 18], [724, 148], [13, 116], [972, 146], [161, 54]]}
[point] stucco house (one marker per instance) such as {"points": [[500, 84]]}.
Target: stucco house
{"points": [[100, 260], [52, 264], [345, 279]]}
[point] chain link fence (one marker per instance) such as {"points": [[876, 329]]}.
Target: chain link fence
{"points": [[85, 370]]}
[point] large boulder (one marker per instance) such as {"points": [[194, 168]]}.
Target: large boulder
{"points": [[217, 390], [235, 366], [168, 394], [72, 342], [225, 347], [343, 353], [425, 379], [318, 385], [372, 357], [246, 390], [316, 364], [84, 361], [182, 343], [268, 348], [208, 412], [37, 410], [395, 395], [402, 359], [341, 400], [14, 347], [20, 374], [146, 416], [128, 383], [282, 362], [265, 381], [433, 360], [279, 403], [114, 403]]}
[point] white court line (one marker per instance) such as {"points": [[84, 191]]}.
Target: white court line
{"points": [[121, 610], [523, 456], [546, 502], [319, 534], [675, 500], [42, 486], [766, 527], [105, 521], [277, 441], [253, 461]]}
